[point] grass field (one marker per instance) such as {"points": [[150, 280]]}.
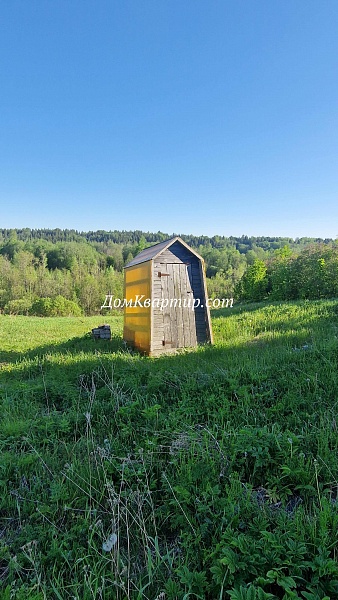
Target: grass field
{"points": [[210, 474]]}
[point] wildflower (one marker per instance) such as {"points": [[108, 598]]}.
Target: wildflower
{"points": [[108, 545]]}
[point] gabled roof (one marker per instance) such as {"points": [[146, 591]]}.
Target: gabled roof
{"points": [[154, 251]]}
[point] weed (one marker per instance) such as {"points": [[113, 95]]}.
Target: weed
{"points": [[211, 474]]}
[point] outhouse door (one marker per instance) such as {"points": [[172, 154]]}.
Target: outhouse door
{"points": [[179, 324]]}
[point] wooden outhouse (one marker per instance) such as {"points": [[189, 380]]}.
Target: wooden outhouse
{"points": [[166, 299]]}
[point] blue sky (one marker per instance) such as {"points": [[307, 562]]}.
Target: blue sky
{"points": [[186, 116]]}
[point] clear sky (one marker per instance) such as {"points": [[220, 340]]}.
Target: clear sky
{"points": [[186, 116]]}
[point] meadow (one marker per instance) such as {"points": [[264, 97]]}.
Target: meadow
{"points": [[210, 474]]}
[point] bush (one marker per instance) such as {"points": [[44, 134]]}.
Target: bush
{"points": [[254, 284], [55, 307], [21, 306]]}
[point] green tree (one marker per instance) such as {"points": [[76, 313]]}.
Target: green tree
{"points": [[281, 277], [254, 284], [141, 245]]}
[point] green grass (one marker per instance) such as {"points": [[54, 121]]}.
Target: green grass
{"points": [[209, 474]]}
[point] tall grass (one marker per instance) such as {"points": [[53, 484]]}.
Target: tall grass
{"points": [[210, 474]]}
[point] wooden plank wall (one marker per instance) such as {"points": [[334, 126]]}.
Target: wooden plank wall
{"points": [[197, 319]]}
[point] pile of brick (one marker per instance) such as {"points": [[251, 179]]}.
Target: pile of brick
{"points": [[102, 332]]}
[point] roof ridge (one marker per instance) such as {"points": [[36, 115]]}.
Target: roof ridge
{"points": [[151, 252]]}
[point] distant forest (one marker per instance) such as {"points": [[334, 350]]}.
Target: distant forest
{"points": [[125, 238], [62, 271]]}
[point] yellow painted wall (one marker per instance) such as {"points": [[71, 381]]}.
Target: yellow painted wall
{"points": [[137, 320]]}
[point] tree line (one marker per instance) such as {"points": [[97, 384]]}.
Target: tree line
{"points": [[311, 274], [61, 272], [242, 243]]}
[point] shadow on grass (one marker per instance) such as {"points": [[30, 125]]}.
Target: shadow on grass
{"points": [[81, 418], [274, 316], [287, 342]]}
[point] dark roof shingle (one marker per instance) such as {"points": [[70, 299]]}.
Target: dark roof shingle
{"points": [[153, 251]]}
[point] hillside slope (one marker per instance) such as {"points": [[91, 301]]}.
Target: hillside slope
{"points": [[210, 474]]}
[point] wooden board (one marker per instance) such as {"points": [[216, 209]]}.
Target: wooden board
{"points": [[179, 326]]}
